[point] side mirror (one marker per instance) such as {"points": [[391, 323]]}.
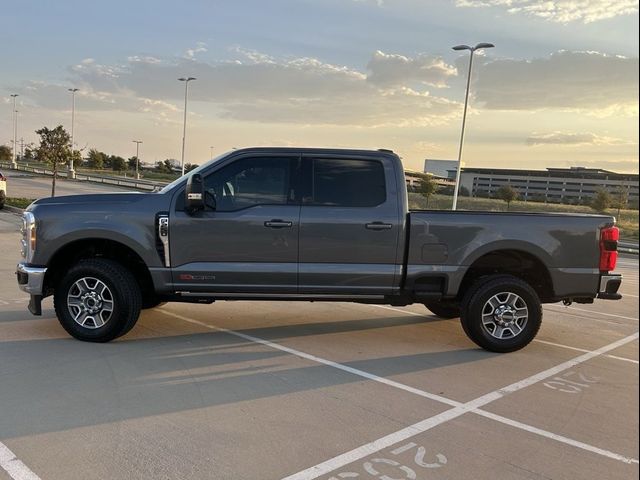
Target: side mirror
{"points": [[193, 194]]}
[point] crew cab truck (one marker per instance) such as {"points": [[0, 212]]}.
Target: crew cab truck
{"points": [[309, 225]]}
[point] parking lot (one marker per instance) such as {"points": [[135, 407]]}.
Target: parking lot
{"points": [[239, 390]]}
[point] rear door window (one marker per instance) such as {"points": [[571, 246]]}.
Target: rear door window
{"points": [[347, 183]]}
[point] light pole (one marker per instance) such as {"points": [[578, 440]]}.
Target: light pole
{"points": [[464, 114], [186, 81], [137, 142], [71, 173], [14, 164], [211, 154]]}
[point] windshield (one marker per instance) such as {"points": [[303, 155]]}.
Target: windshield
{"points": [[178, 180]]}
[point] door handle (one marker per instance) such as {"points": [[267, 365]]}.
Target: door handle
{"points": [[378, 226], [277, 223]]}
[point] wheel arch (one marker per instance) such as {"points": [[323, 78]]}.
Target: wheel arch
{"points": [[523, 264], [97, 247]]}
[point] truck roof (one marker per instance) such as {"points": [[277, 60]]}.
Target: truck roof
{"points": [[319, 150]]}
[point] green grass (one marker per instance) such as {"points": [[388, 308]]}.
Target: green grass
{"points": [[18, 202], [627, 220]]}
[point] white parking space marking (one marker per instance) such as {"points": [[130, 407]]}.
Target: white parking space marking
{"points": [[615, 357], [559, 345], [558, 438], [458, 410], [613, 315], [323, 361], [13, 466], [472, 406]]}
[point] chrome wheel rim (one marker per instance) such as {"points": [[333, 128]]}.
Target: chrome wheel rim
{"points": [[90, 302], [505, 315]]}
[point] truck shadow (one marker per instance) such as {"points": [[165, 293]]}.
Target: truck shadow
{"points": [[58, 384]]}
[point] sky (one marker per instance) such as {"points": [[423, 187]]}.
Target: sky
{"points": [[559, 89]]}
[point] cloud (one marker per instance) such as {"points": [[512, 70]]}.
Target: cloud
{"points": [[200, 47], [258, 87], [390, 70], [573, 139], [57, 97], [564, 80], [560, 11]]}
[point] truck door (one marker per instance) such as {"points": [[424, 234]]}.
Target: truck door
{"points": [[248, 243], [349, 226]]}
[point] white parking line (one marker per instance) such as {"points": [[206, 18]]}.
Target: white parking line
{"points": [[560, 345], [614, 357], [431, 422], [613, 315], [459, 407], [313, 358], [13, 466]]}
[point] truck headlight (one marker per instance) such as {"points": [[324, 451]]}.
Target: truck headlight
{"points": [[28, 242]]}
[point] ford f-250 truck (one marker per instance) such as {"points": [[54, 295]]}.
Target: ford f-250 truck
{"points": [[312, 225]]}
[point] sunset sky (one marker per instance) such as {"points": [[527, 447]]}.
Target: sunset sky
{"points": [[559, 89]]}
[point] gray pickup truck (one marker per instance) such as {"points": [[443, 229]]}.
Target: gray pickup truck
{"points": [[311, 225]]}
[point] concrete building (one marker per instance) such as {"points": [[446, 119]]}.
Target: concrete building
{"points": [[413, 178], [575, 185], [441, 168]]}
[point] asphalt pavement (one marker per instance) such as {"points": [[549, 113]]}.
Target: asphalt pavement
{"points": [[24, 185], [272, 390]]}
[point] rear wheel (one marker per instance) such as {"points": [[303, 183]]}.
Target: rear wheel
{"points": [[443, 309], [97, 300], [501, 313]]}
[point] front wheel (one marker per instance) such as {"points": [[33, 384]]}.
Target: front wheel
{"points": [[501, 313], [97, 300]]}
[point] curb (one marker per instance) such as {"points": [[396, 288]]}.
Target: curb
{"points": [[12, 209]]}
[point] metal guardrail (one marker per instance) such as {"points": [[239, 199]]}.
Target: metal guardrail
{"points": [[628, 247], [147, 185]]}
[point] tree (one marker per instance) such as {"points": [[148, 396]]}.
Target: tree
{"points": [[427, 187], [54, 149], [77, 158], [190, 166], [96, 158], [5, 153], [132, 162], [620, 199], [29, 154], [117, 163], [601, 201], [166, 166], [507, 193]]}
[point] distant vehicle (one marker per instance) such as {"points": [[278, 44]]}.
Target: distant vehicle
{"points": [[3, 190], [314, 225]]}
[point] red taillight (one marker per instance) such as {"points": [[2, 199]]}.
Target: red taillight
{"points": [[609, 248]]}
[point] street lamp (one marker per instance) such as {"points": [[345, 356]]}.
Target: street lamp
{"points": [[479, 46], [137, 142], [211, 154], [71, 173], [186, 81], [14, 164]]}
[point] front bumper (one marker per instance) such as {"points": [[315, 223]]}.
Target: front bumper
{"points": [[609, 286], [31, 280]]}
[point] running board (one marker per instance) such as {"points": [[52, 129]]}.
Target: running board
{"points": [[190, 296]]}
